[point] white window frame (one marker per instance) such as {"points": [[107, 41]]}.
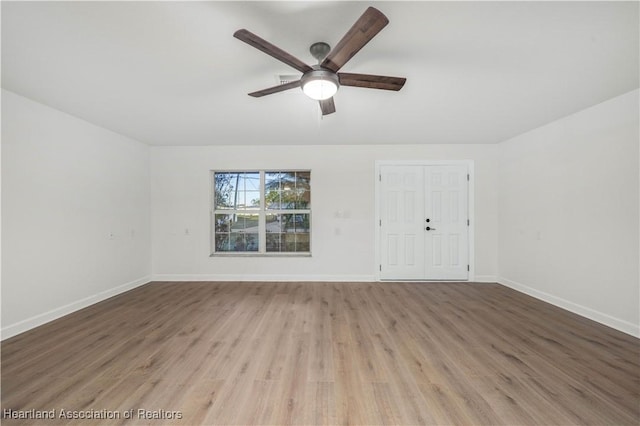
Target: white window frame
{"points": [[262, 213]]}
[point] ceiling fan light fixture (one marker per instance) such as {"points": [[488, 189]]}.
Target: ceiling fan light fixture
{"points": [[319, 89], [319, 84]]}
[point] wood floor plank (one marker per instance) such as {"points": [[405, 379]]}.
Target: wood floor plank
{"points": [[320, 404], [293, 353]]}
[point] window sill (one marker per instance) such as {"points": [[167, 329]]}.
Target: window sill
{"points": [[240, 254]]}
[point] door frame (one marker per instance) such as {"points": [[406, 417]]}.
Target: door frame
{"points": [[470, 206]]}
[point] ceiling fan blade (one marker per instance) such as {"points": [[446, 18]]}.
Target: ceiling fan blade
{"points": [[371, 81], [268, 48], [275, 89], [327, 106], [365, 28]]}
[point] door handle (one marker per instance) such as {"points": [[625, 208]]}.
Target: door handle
{"points": [[428, 228]]}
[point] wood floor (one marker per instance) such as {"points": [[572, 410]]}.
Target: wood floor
{"points": [[323, 354]]}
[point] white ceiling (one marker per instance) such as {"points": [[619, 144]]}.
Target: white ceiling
{"points": [[171, 73]]}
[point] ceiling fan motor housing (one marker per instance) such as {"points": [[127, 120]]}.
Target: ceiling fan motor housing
{"points": [[319, 73]]}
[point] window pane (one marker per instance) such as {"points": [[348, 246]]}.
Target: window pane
{"points": [[222, 242], [303, 190], [288, 184], [245, 223], [252, 190], [287, 190], [302, 223], [287, 232], [241, 242], [302, 242], [222, 229], [252, 199], [274, 223], [236, 232], [296, 243], [236, 190], [272, 190], [272, 181], [273, 242], [225, 189], [303, 180]]}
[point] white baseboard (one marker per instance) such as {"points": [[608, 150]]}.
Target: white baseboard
{"points": [[592, 314], [35, 321], [302, 278], [285, 278], [485, 279], [246, 277]]}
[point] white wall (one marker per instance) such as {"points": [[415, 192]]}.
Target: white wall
{"points": [[568, 213], [66, 186], [343, 179], [556, 212]]}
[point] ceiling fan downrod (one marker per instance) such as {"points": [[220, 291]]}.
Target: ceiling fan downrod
{"points": [[320, 50]]}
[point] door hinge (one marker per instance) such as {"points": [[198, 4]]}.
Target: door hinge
{"points": [[467, 222], [468, 268], [380, 177], [380, 268], [467, 177], [380, 222]]}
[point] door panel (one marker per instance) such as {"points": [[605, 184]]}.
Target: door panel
{"points": [[402, 236], [446, 208]]}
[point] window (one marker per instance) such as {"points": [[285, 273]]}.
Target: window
{"points": [[261, 212]]}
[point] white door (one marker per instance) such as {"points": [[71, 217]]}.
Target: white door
{"points": [[402, 190], [446, 223], [424, 222]]}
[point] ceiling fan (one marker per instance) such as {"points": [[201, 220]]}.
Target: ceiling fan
{"points": [[321, 82]]}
